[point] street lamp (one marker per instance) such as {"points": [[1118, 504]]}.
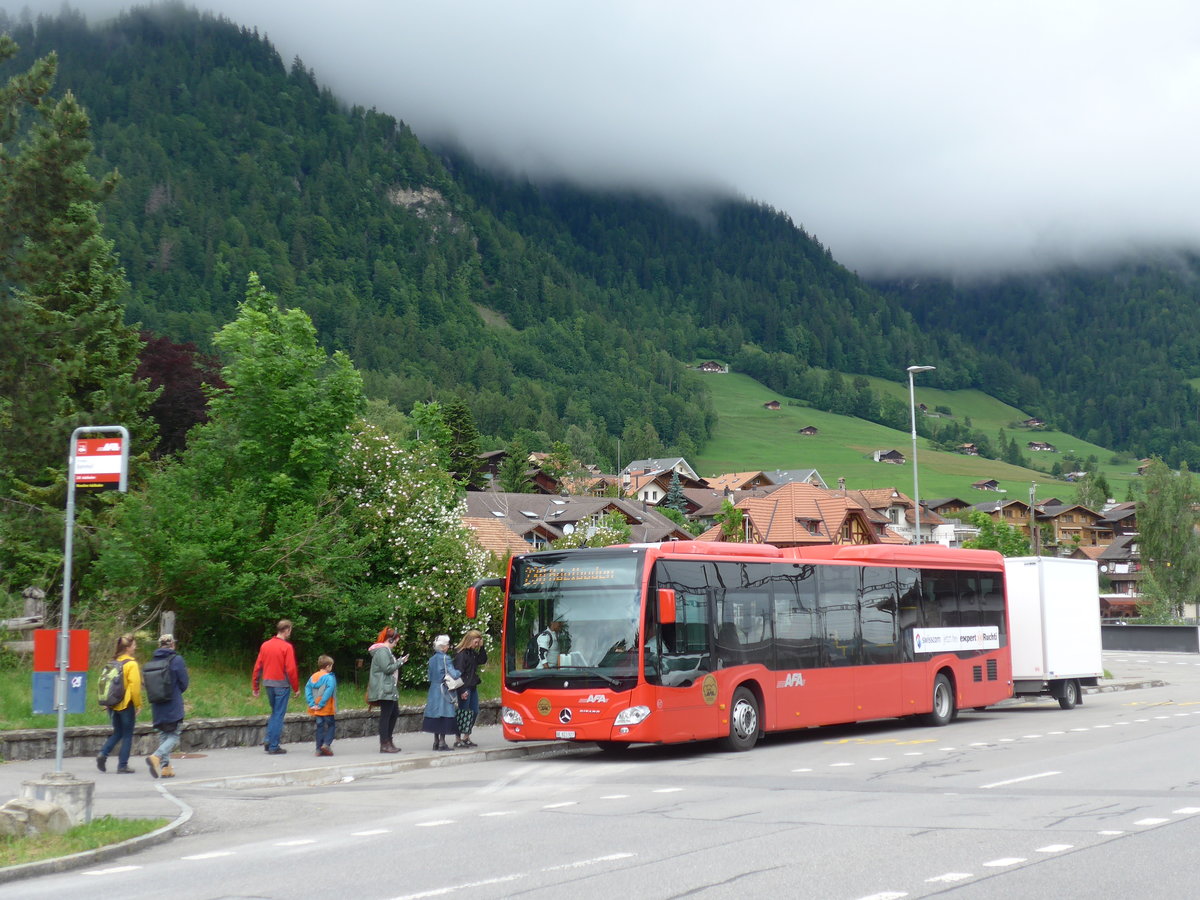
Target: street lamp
{"points": [[912, 406]]}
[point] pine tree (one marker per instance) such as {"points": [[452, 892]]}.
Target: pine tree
{"points": [[675, 499], [464, 444], [67, 358]]}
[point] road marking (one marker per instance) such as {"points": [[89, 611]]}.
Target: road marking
{"points": [[949, 878], [579, 864], [298, 843], [498, 812], [115, 870], [441, 892], [666, 790], [1110, 833], [1054, 848], [1151, 821], [878, 759], [1016, 780], [435, 823], [1005, 861], [801, 770], [614, 797], [886, 895], [838, 765], [216, 854], [559, 805], [1187, 811], [1031, 736], [914, 753], [373, 831]]}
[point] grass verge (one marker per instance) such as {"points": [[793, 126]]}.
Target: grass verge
{"points": [[100, 832]]}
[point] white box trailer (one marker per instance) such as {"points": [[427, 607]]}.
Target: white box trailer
{"points": [[1054, 626]]}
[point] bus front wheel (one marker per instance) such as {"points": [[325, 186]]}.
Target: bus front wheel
{"points": [[743, 721], [943, 703]]}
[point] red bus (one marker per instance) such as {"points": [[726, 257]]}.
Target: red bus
{"points": [[692, 640]]}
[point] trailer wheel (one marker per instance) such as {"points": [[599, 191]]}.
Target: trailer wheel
{"points": [[943, 703], [1069, 698], [743, 721]]}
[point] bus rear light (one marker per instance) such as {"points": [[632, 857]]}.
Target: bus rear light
{"points": [[510, 716], [632, 716]]}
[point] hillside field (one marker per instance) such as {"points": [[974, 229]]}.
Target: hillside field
{"points": [[749, 438]]}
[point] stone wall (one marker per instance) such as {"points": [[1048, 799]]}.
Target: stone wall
{"points": [[210, 734]]}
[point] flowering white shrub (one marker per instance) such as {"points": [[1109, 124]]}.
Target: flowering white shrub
{"points": [[421, 558]]}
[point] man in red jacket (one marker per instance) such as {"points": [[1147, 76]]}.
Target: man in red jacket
{"points": [[275, 669]]}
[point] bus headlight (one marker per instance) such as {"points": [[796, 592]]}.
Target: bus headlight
{"points": [[632, 716], [510, 716]]}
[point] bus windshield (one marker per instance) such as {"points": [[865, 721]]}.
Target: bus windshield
{"points": [[574, 615]]}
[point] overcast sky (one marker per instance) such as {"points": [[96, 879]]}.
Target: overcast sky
{"points": [[906, 136]]}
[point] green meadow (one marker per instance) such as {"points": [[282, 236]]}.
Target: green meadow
{"points": [[749, 438]]}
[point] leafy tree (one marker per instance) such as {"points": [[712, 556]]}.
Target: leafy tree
{"points": [[1169, 546], [1007, 539], [1092, 491], [182, 373], [731, 519]]}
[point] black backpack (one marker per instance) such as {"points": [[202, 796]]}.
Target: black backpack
{"points": [[111, 684], [159, 680], [531, 651]]}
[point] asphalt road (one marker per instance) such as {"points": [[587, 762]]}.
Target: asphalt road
{"points": [[1019, 801]]}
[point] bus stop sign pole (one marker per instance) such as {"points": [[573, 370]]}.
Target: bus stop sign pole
{"points": [[93, 465]]}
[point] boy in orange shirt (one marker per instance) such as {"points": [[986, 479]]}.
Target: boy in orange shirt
{"points": [[321, 693]]}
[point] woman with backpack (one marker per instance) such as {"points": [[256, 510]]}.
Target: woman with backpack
{"points": [[123, 713]]}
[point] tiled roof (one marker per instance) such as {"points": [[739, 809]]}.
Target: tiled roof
{"points": [[495, 536]]}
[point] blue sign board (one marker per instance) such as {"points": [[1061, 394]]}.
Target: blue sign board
{"points": [[43, 692]]}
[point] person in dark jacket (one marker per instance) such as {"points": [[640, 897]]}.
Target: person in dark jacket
{"points": [[167, 717], [469, 659]]}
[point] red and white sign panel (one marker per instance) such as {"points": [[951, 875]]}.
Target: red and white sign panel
{"points": [[98, 464]]}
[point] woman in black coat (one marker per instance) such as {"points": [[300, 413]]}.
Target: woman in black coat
{"points": [[468, 659]]}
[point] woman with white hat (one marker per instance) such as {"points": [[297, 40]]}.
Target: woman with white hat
{"points": [[440, 706]]}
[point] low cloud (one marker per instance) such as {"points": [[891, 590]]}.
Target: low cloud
{"points": [[908, 137]]}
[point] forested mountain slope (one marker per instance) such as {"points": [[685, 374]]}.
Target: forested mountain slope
{"points": [[551, 309]]}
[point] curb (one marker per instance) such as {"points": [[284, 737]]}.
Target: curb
{"points": [[349, 772], [102, 854]]}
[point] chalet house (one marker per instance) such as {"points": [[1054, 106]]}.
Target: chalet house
{"points": [[1075, 524], [1074, 476], [968, 449], [989, 484], [1037, 446], [788, 476], [800, 514], [771, 404], [738, 481], [896, 510], [1006, 512], [668, 465], [947, 507], [1035, 422], [895, 457], [1143, 465], [536, 520], [705, 504], [1121, 519], [808, 430], [713, 367], [1121, 567]]}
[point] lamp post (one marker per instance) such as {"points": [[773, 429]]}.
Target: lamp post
{"points": [[912, 406]]}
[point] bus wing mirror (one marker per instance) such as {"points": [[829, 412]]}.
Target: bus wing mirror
{"points": [[473, 594], [666, 606]]}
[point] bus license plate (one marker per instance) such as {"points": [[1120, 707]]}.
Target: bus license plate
{"points": [[565, 735]]}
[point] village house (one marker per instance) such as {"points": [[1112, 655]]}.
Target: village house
{"points": [[809, 430], [788, 476], [771, 404], [1074, 524], [895, 457], [738, 481], [1041, 446], [1006, 512], [968, 449], [988, 484], [713, 367], [1120, 577], [1035, 422], [800, 514]]}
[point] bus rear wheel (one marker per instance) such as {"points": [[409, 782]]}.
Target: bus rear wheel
{"points": [[743, 721], [943, 703]]}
